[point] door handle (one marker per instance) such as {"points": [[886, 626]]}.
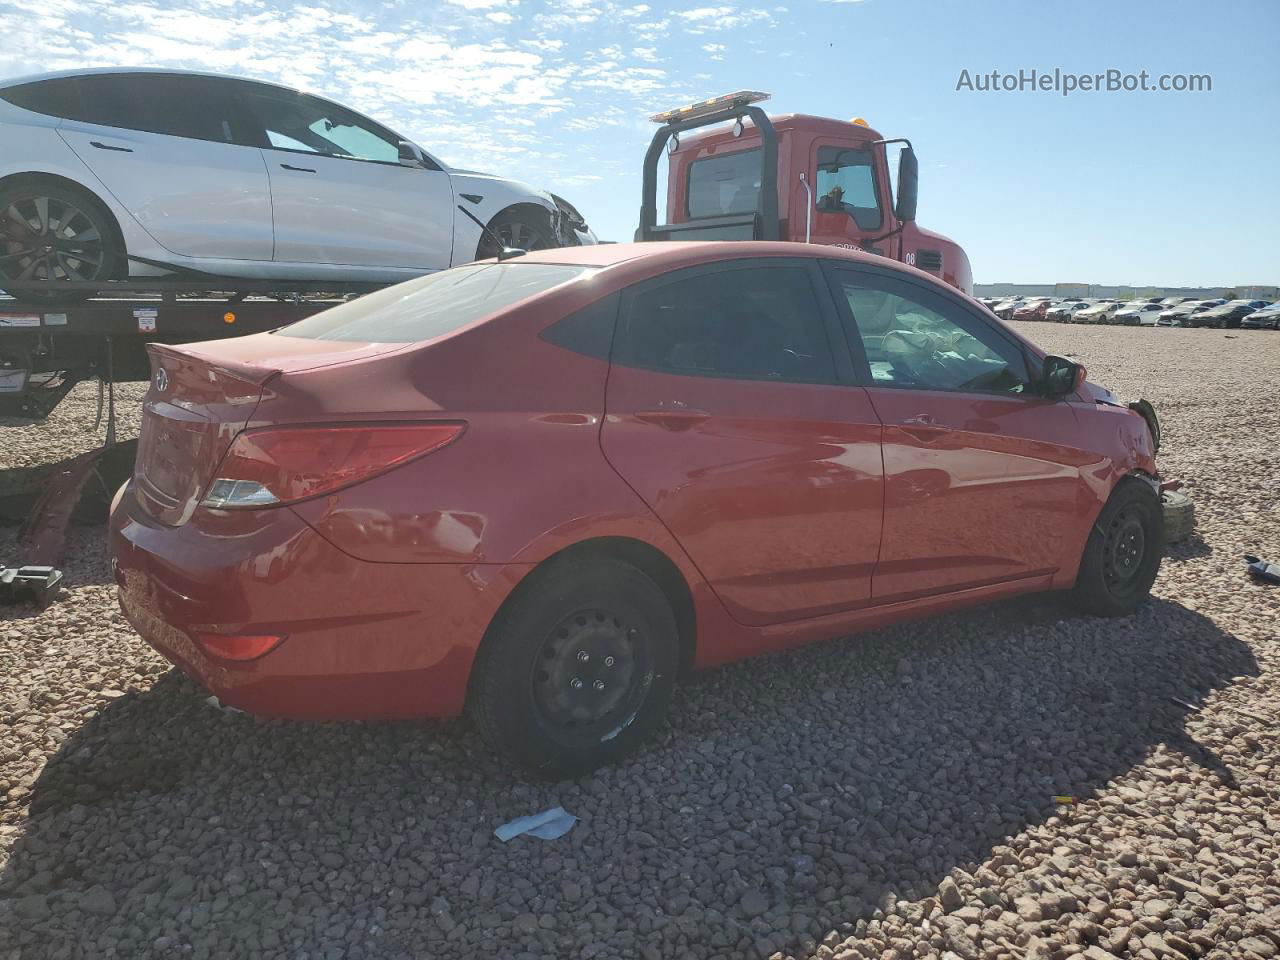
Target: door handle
{"points": [[673, 420], [289, 166], [922, 426], [107, 146]]}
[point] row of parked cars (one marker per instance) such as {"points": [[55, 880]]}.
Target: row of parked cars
{"points": [[1151, 312]]}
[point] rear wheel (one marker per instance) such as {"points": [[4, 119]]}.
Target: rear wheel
{"points": [[51, 232], [1123, 553], [579, 670]]}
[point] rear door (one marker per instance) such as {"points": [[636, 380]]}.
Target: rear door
{"points": [[171, 149], [982, 475], [731, 415], [338, 190]]}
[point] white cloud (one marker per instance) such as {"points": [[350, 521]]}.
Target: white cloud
{"points": [[482, 4], [499, 17]]}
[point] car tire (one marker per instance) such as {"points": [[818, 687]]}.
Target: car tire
{"points": [[523, 231], [1123, 553], [1179, 515], [58, 222], [541, 692]]}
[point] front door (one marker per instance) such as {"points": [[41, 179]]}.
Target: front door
{"points": [[982, 474], [338, 190], [727, 412], [172, 151]]}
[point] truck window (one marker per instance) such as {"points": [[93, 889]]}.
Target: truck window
{"points": [[846, 182], [719, 185]]}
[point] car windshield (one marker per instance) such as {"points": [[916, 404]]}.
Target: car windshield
{"points": [[434, 305]]}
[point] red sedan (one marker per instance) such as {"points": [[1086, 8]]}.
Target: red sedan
{"points": [[539, 489]]}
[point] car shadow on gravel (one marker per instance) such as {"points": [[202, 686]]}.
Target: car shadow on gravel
{"points": [[789, 796]]}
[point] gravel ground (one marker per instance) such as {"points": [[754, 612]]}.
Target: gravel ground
{"points": [[887, 796]]}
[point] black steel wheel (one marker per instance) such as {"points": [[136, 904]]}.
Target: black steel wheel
{"points": [[577, 669], [48, 232], [1123, 553], [517, 230], [592, 672]]}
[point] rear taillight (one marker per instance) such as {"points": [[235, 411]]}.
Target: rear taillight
{"points": [[276, 465]]}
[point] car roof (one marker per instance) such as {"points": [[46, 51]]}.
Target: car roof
{"points": [[103, 71], [682, 253]]}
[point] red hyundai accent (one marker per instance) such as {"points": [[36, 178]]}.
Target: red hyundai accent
{"points": [[539, 489]]}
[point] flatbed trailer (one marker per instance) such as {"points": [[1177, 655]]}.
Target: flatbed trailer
{"points": [[56, 334]]}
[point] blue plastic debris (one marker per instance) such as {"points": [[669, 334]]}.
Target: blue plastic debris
{"points": [[547, 825]]}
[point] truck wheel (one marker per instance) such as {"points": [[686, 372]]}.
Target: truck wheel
{"points": [[52, 232], [578, 670], [1179, 516], [519, 230], [1123, 553]]}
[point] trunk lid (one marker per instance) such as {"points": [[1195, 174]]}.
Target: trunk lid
{"points": [[201, 396]]}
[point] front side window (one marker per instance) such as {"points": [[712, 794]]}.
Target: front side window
{"points": [[762, 323], [724, 184], [914, 338], [846, 183], [294, 121], [434, 305]]}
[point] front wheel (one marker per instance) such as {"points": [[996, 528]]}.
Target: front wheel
{"points": [[51, 232], [1122, 555], [517, 230], [578, 670]]}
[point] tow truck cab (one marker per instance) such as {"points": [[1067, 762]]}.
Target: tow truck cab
{"points": [[793, 177]]}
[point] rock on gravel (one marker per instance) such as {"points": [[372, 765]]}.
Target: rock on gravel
{"points": [[885, 796]]}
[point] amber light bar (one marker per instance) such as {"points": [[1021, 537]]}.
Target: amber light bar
{"points": [[705, 108]]}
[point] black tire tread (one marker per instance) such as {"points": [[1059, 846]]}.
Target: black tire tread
{"points": [[1090, 593], [489, 708]]}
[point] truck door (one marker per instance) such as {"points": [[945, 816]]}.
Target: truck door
{"points": [[850, 198]]}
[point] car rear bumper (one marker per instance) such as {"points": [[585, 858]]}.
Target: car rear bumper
{"points": [[362, 640]]}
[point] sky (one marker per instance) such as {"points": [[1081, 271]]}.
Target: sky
{"points": [[1151, 188]]}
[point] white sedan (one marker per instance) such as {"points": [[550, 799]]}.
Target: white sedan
{"points": [[1139, 314], [1096, 313], [113, 172]]}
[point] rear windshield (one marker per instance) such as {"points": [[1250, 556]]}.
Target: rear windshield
{"points": [[433, 305], [724, 184]]}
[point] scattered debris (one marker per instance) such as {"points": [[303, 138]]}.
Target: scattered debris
{"points": [[219, 705], [548, 825], [1261, 570]]}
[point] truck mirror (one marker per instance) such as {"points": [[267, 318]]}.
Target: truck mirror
{"points": [[908, 185]]}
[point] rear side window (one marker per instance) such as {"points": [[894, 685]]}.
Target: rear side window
{"points": [[762, 323], [724, 184], [55, 98], [171, 104], [434, 305]]}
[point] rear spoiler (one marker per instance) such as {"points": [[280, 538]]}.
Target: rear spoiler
{"points": [[251, 373]]}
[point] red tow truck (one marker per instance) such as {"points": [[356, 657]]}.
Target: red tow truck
{"points": [[794, 177]]}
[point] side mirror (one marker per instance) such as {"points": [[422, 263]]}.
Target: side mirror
{"points": [[1060, 377], [908, 185], [410, 155]]}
